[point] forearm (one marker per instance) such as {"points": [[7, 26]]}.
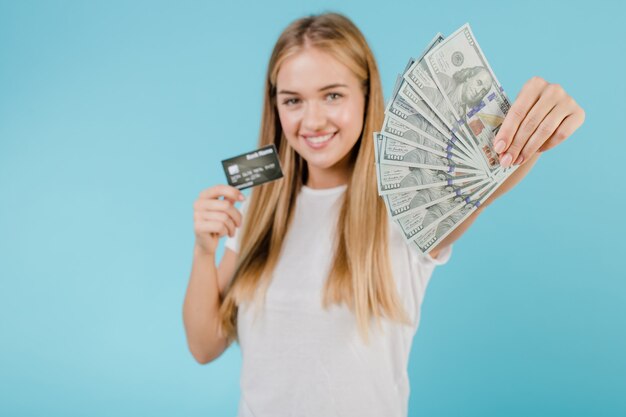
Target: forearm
{"points": [[510, 182], [201, 308]]}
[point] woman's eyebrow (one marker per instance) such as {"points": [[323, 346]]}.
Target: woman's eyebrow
{"points": [[332, 86], [328, 87]]}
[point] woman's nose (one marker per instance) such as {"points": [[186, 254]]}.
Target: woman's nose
{"points": [[314, 117]]}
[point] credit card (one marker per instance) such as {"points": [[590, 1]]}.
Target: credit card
{"points": [[253, 168]]}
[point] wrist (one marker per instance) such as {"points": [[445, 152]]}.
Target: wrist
{"points": [[199, 252]]}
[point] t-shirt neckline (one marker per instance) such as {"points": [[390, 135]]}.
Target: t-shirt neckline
{"points": [[324, 191]]}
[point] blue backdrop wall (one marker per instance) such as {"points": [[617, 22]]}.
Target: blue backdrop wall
{"points": [[115, 115]]}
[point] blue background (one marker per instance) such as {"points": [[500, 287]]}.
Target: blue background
{"points": [[115, 115]]}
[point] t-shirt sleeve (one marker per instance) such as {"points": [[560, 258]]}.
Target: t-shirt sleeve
{"points": [[425, 265], [232, 243], [421, 268], [441, 259]]}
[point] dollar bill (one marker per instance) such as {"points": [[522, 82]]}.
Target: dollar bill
{"points": [[397, 128], [434, 157], [415, 221], [405, 104], [471, 89], [402, 203], [394, 178], [422, 93], [419, 78], [440, 228], [394, 152]]}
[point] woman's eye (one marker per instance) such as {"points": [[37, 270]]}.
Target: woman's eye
{"points": [[333, 96], [290, 101]]}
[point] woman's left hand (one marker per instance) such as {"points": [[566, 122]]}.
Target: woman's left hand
{"points": [[542, 116]]}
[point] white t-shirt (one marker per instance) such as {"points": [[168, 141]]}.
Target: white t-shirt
{"points": [[301, 360]]}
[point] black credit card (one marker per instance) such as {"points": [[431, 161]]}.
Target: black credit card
{"points": [[253, 168]]}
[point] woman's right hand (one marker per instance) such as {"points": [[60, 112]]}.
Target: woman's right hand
{"points": [[214, 217]]}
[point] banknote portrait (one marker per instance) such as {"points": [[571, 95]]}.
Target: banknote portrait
{"points": [[466, 88]]}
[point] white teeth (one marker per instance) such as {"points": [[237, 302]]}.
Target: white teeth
{"points": [[319, 139]]}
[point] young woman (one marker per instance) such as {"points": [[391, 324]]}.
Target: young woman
{"points": [[313, 260]]}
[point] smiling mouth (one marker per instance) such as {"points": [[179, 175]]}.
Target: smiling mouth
{"points": [[316, 140]]}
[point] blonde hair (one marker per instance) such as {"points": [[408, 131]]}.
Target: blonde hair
{"points": [[361, 275]]}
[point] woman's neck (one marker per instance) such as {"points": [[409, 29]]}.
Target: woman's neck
{"points": [[327, 178], [331, 177]]}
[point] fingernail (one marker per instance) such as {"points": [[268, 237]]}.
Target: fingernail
{"points": [[499, 146], [241, 197], [519, 160], [506, 160]]}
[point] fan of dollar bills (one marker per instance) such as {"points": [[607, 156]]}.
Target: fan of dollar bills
{"points": [[435, 161]]}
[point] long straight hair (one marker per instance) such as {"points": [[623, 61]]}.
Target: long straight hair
{"points": [[361, 275]]}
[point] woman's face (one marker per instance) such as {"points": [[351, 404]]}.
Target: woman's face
{"points": [[321, 106]]}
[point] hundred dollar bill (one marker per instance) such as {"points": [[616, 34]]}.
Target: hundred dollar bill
{"points": [[419, 78], [405, 105], [402, 203], [435, 232], [459, 133], [425, 118], [415, 221], [420, 120], [407, 93], [421, 92], [394, 152], [394, 178], [398, 129], [469, 86]]}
